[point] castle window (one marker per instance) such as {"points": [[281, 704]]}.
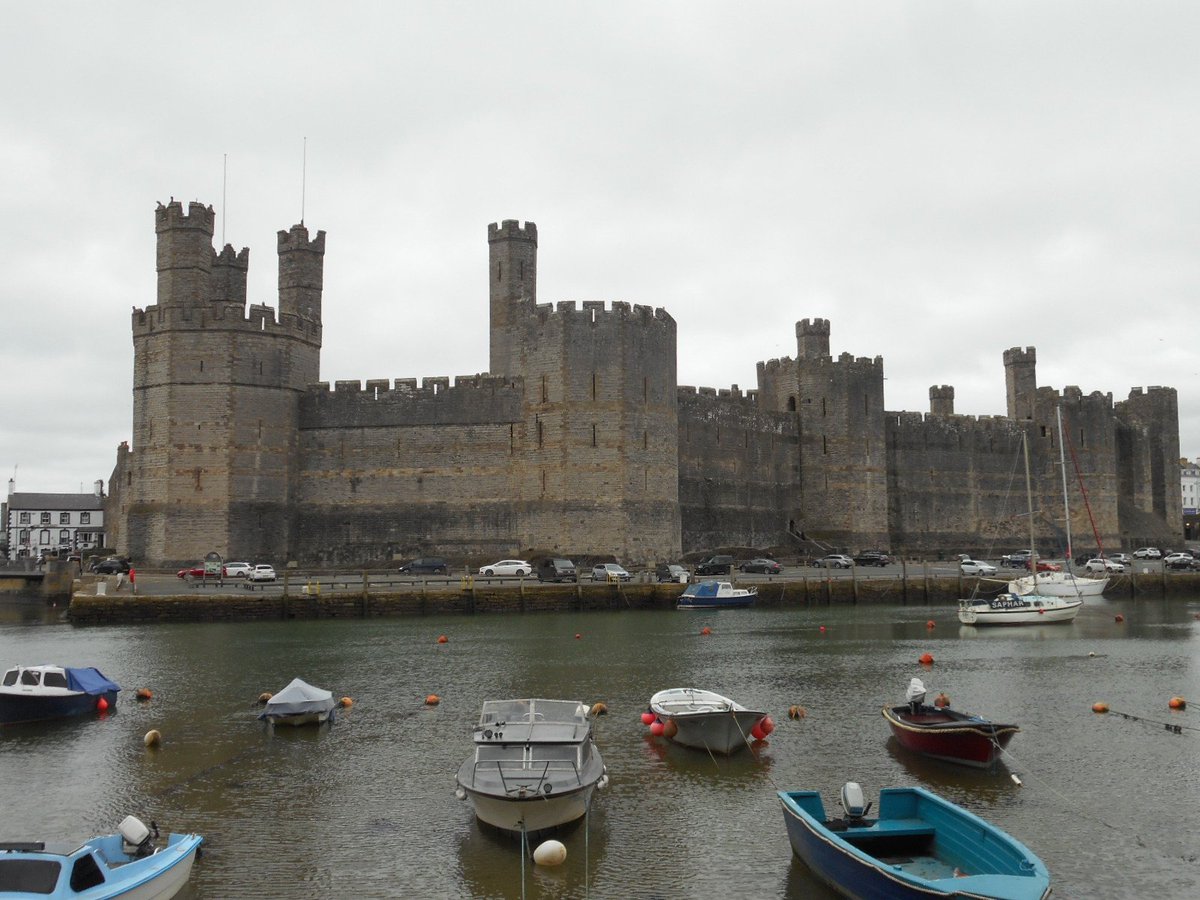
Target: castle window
{"points": [[1082, 443], [645, 440], [260, 367], [544, 395], [521, 271], [512, 442], [866, 403], [593, 385], [645, 389], [593, 435], [822, 406], [791, 404], [539, 432], [499, 270], [129, 478], [824, 446], [201, 365]]}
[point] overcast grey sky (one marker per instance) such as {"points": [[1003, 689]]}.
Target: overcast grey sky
{"points": [[941, 179]]}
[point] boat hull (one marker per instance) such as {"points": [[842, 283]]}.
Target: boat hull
{"points": [[718, 732], [170, 880], [949, 737], [715, 603], [533, 814], [297, 719], [1039, 610], [940, 850], [18, 708]]}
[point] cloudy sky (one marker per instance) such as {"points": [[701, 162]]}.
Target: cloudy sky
{"points": [[940, 179]]}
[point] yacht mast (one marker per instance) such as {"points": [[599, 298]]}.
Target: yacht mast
{"points": [[1062, 461], [1029, 499]]}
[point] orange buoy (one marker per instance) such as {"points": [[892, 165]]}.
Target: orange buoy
{"points": [[1100, 707], [706, 630], [599, 709], [926, 659], [942, 701], [433, 700], [797, 712], [1177, 703], [931, 624], [265, 696], [143, 694], [346, 703], [153, 738], [1118, 618], [442, 639]]}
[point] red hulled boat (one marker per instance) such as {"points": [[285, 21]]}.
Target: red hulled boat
{"points": [[946, 734]]}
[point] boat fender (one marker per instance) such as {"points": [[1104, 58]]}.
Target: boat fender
{"points": [[603, 782], [550, 853], [797, 712], [599, 709], [460, 793], [670, 728], [153, 738]]}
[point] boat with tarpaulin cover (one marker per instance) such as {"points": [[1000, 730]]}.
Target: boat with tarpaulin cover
{"points": [[34, 693]]}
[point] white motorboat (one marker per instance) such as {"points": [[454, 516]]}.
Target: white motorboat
{"points": [[126, 864], [716, 595], [535, 765], [706, 720], [299, 704]]}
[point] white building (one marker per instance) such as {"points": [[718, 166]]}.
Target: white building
{"points": [[36, 524], [1189, 483]]}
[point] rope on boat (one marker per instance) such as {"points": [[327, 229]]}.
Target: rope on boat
{"points": [[524, 853]]}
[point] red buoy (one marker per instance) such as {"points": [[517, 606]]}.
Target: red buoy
{"points": [[706, 630], [442, 639], [647, 718], [1177, 703], [102, 704], [670, 729], [766, 724], [657, 728], [757, 731], [1118, 618], [926, 659], [822, 629], [931, 624]]}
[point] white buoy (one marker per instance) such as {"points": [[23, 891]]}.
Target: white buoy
{"points": [[1016, 780], [550, 853]]}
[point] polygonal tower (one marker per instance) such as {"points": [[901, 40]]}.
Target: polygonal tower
{"points": [[215, 396], [512, 290]]}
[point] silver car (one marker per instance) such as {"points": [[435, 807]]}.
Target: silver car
{"points": [[610, 572], [975, 567]]}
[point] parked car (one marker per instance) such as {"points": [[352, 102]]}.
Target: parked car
{"points": [[507, 567], [975, 567], [610, 572], [761, 565], [191, 572], [715, 565], [671, 572], [428, 565], [833, 561], [1181, 561], [111, 566], [1147, 553], [1017, 560], [1103, 565], [872, 558], [236, 569], [557, 570], [1044, 566], [261, 572], [1122, 558]]}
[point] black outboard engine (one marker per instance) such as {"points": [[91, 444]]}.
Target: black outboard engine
{"points": [[852, 802]]}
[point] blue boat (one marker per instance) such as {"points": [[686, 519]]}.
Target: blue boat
{"points": [[126, 864], [715, 595], [33, 693], [919, 846]]}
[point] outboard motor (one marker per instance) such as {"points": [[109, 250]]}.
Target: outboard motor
{"points": [[852, 801], [915, 694], [136, 839]]}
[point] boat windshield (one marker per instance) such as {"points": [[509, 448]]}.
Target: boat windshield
{"points": [[531, 711], [31, 676], [10, 677], [29, 876], [558, 756]]}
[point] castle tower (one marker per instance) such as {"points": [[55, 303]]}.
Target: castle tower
{"points": [[1020, 380], [812, 338], [215, 399], [512, 290], [301, 273], [843, 441], [941, 400]]}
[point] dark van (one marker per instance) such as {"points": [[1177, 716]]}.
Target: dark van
{"points": [[557, 570], [430, 565], [715, 565]]}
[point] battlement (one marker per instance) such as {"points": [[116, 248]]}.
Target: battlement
{"points": [[431, 386], [511, 230], [819, 327], [812, 339], [172, 216], [260, 319], [232, 259], [595, 311], [733, 394], [469, 400], [296, 238], [784, 366], [1016, 356]]}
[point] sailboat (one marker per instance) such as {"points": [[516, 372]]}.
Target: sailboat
{"points": [[1061, 584], [1010, 608]]}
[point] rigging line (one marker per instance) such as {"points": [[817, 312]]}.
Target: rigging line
{"points": [[1083, 490], [1169, 726]]}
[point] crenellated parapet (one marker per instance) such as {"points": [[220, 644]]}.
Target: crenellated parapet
{"points": [[439, 400], [257, 322], [595, 312], [812, 338]]}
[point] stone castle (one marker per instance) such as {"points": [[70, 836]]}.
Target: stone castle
{"points": [[579, 440]]}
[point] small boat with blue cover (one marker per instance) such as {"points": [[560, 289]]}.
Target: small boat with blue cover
{"points": [[126, 864], [34, 693], [715, 595], [919, 846]]}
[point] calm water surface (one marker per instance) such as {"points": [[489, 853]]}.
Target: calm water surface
{"points": [[366, 808]]}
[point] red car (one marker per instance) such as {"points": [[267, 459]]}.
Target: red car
{"points": [[1045, 566], [194, 571]]}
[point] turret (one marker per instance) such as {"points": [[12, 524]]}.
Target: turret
{"points": [[812, 338], [941, 400], [1020, 379], [301, 273], [229, 276], [184, 252], [512, 288]]}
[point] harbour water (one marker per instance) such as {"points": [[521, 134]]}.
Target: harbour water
{"points": [[366, 808]]}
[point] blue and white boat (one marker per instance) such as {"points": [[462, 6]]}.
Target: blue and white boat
{"points": [[919, 846], [33, 693], [126, 864], [715, 595]]}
